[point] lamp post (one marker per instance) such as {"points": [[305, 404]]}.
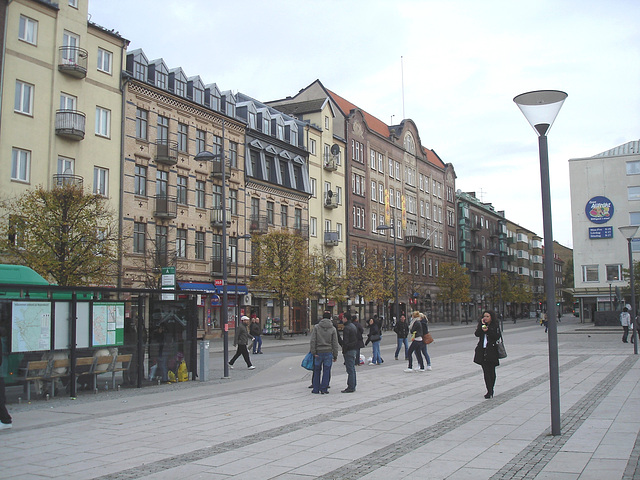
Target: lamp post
{"points": [[540, 108], [205, 156], [629, 232], [395, 265], [499, 272], [246, 236]]}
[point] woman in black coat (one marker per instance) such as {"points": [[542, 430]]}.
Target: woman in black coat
{"points": [[486, 353]]}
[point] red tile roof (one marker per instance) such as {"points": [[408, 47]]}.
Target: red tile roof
{"points": [[373, 123]]}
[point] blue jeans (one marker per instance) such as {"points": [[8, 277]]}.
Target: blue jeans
{"points": [[350, 364], [257, 344], [426, 355], [402, 341], [321, 364], [375, 357]]}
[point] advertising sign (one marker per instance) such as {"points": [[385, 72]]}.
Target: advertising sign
{"points": [[599, 209], [600, 232]]}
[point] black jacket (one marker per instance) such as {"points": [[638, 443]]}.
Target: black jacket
{"points": [[349, 337], [374, 334], [487, 355], [401, 329]]}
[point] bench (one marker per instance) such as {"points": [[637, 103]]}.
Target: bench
{"points": [[124, 362], [35, 370]]}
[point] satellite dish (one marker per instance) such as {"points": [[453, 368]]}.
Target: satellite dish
{"points": [[335, 149], [329, 193]]}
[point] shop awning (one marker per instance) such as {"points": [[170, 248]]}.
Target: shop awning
{"points": [[231, 289], [203, 287]]}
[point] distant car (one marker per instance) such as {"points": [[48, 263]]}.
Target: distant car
{"points": [[576, 309]]}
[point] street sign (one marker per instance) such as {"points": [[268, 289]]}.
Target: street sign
{"points": [[218, 283]]}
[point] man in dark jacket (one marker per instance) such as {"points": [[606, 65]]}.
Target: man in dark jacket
{"points": [[402, 331], [323, 345], [349, 351], [241, 342]]}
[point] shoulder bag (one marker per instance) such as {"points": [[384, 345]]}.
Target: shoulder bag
{"points": [[307, 361], [502, 352]]}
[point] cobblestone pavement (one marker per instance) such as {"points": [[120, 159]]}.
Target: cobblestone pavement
{"points": [[265, 423]]}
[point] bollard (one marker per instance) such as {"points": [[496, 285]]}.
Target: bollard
{"points": [[204, 360], [118, 387], [19, 400], [47, 397]]}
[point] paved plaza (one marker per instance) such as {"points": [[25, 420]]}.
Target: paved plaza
{"points": [[265, 423]]}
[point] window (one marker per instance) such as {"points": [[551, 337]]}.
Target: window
{"points": [[374, 188], [200, 194], [201, 141], [284, 213], [312, 146], [313, 184], [590, 273], [633, 193], [233, 202], [71, 42], [633, 168], [270, 207], [183, 136], [67, 102], [313, 226], [103, 120], [162, 131], [100, 181], [233, 154], [104, 61], [28, 30], [139, 237], [73, 3], [200, 241], [142, 124], [181, 243], [181, 190], [614, 272], [162, 183], [24, 98], [339, 230], [161, 242], [20, 164], [380, 163], [66, 166], [140, 187]]}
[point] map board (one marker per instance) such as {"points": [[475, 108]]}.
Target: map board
{"points": [[108, 324], [31, 326]]}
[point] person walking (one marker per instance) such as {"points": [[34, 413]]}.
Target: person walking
{"points": [[359, 334], [415, 329], [255, 330], [424, 323], [486, 353], [402, 331], [323, 345], [374, 337], [349, 350], [241, 341], [5, 418], [625, 321]]}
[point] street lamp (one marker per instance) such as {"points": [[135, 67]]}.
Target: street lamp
{"points": [[395, 265], [540, 108], [629, 232], [499, 272], [205, 156], [246, 236]]}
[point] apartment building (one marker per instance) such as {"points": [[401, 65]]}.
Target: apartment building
{"points": [[61, 100], [326, 150], [605, 195], [171, 203], [277, 190], [388, 165]]}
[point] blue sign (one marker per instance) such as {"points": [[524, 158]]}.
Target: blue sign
{"points": [[599, 209], [600, 232]]}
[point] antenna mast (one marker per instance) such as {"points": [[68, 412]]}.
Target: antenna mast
{"points": [[402, 75]]}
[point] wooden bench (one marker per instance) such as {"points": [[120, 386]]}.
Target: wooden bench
{"points": [[59, 369], [121, 363], [35, 370]]}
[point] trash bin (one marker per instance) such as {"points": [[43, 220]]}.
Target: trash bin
{"points": [[204, 360]]}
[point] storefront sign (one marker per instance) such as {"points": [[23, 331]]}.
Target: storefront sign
{"points": [[599, 209], [600, 232]]}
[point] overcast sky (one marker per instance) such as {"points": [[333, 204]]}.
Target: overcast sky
{"points": [[452, 66]]}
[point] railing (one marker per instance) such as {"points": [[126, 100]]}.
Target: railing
{"points": [[166, 206], [216, 217], [329, 163], [70, 124], [330, 201], [217, 166], [64, 179], [258, 224], [415, 241], [331, 239], [301, 229], [73, 61], [166, 152]]}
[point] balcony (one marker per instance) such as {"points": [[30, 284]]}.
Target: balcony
{"points": [[258, 224], [166, 152], [70, 124], [302, 230], [330, 200], [216, 265], [477, 268], [166, 206], [415, 241], [475, 247], [73, 61], [330, 239], [216, 168], [216, 217], [329, 163], [475, 226], [65, 179]]}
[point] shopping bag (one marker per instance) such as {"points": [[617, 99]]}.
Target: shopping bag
{"points": [[307, 361]]}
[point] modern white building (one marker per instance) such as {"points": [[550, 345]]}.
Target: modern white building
{"points": [[605, 195]]}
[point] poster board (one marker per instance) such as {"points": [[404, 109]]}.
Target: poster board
{"points": [[107, 324], [30, 326]]}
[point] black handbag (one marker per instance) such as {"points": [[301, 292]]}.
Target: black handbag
{"points": [[502, 352]]}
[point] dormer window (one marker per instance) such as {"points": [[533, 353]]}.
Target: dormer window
{"points": [[195, 90], [159, 74], [252, 116], [279, 127], [212, 97], [292, 130], [180, 88], [178, 82], [409, 144], [264, 118]]}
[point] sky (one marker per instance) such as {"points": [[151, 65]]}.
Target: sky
{"points": [[452, 66]]}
